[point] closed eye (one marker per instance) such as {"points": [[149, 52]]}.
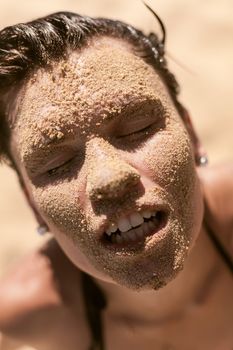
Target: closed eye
{"points": [[139, 126], [138, 137], [61, 169], [136, 132]]}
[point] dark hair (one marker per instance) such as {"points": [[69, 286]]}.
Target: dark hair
{"points": [[25, 47]]}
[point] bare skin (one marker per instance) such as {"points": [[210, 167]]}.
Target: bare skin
{"points": [[41, 301]]}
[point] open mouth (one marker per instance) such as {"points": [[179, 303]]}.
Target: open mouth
{"points": [[135, 228]]}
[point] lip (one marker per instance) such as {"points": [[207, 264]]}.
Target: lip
{"points": [[164, 209]]}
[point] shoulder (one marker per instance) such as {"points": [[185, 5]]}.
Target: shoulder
{"points": [[218, 192], [38, 289]]}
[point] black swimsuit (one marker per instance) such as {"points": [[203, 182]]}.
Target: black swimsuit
{"points": [[95, 301]]}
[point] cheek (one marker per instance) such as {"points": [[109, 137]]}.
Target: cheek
{"points": [[61, 206], [170, 161]]}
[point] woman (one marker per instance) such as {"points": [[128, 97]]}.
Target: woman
{"points": [[110, 164]]}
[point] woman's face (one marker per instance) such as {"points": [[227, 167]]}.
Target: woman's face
{"points": [[108, 165]]}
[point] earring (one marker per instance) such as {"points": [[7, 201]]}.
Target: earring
{"points": [[42, 229], [203, 160]]}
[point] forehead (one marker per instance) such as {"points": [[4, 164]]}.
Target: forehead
{"points": [[89, 85], [107, 68]]}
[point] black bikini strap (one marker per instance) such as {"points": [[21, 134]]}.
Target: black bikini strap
{"points": [[95, 302], [218, 245]]}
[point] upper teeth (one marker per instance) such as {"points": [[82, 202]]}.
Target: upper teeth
{"points": [[124, 224]]}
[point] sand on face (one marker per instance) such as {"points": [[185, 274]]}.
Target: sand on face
{"points": [[206, 90]]}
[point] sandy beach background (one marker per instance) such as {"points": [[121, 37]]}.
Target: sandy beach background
{"points": [[199, 36]]}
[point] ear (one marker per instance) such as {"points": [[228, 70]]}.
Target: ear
{"points": [[199, 150]]}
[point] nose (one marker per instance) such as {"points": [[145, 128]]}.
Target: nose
{"points": [[108, 175]]}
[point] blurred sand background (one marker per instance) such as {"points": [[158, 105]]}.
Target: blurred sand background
{"points": [[200, 35]]}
